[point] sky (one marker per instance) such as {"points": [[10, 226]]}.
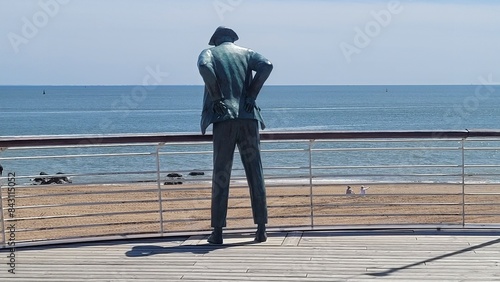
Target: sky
{"points": [[309, 42]]}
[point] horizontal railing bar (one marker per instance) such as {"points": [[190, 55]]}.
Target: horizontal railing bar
{"points": [[482, 204], [388, 215], [121, 192], [78, 156], [87, 174], [328, 195], [482, 148], [387, 166], [482, 214], [237, 208], [79, 215], [388, 149], [360, 182], [171, 200], [365, 183], [92, 193], [483, 139], [84, 204], [385, 204], [112, 145], [394, 140], [283, 150], [210, 152], [235, 218], [185, 153], [286, 167], [86, 226], [282, 141], [384, 175], [186, 220], [27, 141], [233, 197], [325, 205], [357, 196], [387, 195], [85, 146], [172, 188], [480, 166], [297, 176]]}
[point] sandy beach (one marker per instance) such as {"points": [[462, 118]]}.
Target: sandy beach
{"points": [[45, 212]]}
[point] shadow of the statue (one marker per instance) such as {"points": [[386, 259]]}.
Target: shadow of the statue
{"points": [[151, 250]]}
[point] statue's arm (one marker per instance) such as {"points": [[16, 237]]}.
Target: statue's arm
{"points": [[263, 68], [206, 69]]}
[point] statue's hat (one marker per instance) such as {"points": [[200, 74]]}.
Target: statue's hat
{"points": [[223, 31]]}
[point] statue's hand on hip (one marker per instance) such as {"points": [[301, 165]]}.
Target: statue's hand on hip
{"points": [[220, 107], [249, 104]]}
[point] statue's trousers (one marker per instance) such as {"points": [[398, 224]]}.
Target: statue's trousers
{"points": [[228, 134]]}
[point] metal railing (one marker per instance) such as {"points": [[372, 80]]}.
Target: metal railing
{"points": [[124, 185]]}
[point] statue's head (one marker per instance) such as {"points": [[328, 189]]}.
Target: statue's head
{"points": [[223, 34]]}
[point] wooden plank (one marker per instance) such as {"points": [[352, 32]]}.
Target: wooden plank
{"points": [[194, 240], [292, 256], [292, 238]]}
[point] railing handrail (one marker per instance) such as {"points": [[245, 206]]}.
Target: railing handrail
{"points": [[67, 140]]}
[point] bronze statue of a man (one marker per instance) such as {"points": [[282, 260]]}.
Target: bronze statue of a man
{"points": [[231, 88]]}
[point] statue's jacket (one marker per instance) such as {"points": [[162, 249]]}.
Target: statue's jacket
{"points": [[227, 71]]}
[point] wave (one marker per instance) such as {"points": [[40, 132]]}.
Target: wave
{"points": [[300, 128], [52, 112], [352, 108]]}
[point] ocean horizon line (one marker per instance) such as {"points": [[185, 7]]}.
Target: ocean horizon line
{"points": [[201, 85]]}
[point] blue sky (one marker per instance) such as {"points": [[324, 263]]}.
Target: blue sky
{"points": [[123, 42]]}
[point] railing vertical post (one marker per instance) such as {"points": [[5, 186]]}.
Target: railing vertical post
{"points": [[158, 182], [463, 181], [311, 183]]}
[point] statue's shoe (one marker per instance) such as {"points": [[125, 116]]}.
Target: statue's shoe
{"points": [[261, 235], [215, 238]]}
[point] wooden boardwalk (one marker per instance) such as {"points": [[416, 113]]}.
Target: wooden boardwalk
{"points": [[391, 255]]}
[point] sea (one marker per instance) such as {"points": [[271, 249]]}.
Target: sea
{"points": [[76, 110]]}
